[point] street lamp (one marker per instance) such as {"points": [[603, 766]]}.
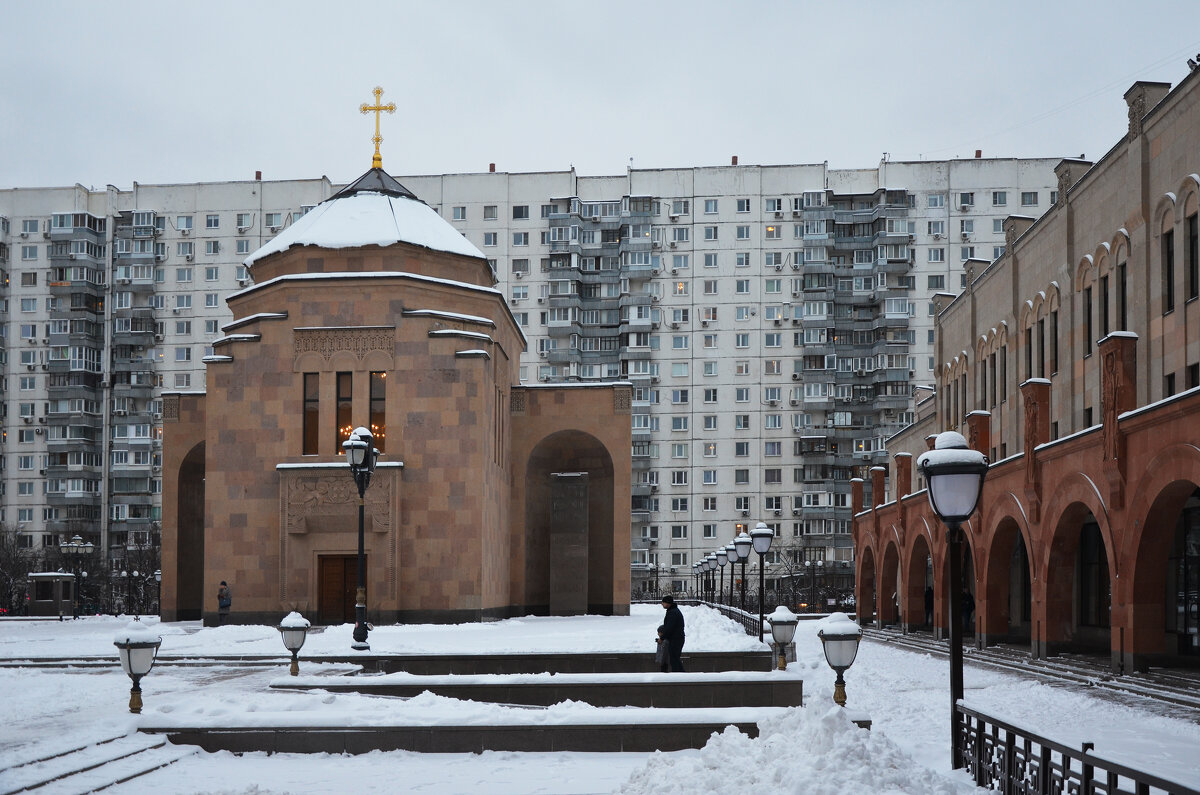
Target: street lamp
{"points": [[743, 544], [709, 563], [362, 456], [783, 629], [293, 630], [839, 636], [732, 556], [813, 566], [760, 538], [955, 476], [158, 589], [73, 550], [137, 647], [722, 559]]}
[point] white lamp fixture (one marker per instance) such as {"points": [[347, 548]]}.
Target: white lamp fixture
{"points": [[137, 647], [783, 629], [955, 476], [293, 630], [839, 636]]}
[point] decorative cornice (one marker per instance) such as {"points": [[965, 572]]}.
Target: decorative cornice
{"points": [[359, 341]]}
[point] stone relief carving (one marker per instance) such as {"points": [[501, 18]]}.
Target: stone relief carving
{"points": [[516, 402], [305, 494], [171, 408], [622, 401], [1137, 110], [327, 342], [1064, 182]]}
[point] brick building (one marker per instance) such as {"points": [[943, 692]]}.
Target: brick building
{"points": [[1073, 362], [490, 498]]}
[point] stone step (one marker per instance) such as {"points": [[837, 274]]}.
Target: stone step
{"points": [[685, 690], [641, 737], [558, 663]]}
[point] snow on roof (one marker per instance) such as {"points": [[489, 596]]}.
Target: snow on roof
{"points": [[453, 332], [370, 219], [253, 318], [486, 321], [365, 275], [474, 352]]}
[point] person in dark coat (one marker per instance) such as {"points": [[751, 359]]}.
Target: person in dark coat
{"points": [[224, 602], [929, 605], [672, 632]]}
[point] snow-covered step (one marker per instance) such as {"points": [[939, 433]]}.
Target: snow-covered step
{"points": [[674, 690], [45, 769], [121, 770]]}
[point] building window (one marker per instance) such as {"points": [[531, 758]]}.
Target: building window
{"points": [[212, 221], [1029, 198], [344, 410], [489, 238], [999, 198], [520, 212], [212, 247], [1193, 258], [1089, 333], [458, 213], [937, 282], [710, 206], [1168, 271], [378, 409], [520, 238], [312, 382], [937, 200]]}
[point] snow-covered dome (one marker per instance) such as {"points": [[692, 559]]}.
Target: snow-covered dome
{"points": [[374, 210]]}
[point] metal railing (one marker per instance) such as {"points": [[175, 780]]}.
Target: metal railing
{"points": [[1008, 759]]}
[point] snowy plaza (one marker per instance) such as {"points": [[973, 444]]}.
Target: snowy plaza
{"points": [[64, 690]]}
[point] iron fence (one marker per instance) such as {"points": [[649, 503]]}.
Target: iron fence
{"points": [[1008, 759]]}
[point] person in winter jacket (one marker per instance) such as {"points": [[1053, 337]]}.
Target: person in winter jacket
{"points": [[672, 632]]}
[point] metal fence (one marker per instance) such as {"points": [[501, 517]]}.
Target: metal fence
{"points": [[1005, 758]]}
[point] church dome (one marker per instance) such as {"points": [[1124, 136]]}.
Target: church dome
{"points": [[374, 210]]}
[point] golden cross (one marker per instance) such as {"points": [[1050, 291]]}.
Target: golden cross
{"points": [[377, 108]]}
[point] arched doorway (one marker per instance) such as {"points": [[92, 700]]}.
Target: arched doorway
{"points": [[865, 586], [1079, 593], [1183, 581], [965, 597], [889, 585], [918, 586], [1166, 581], [1008, 589], [189, 566], [569, 527]]}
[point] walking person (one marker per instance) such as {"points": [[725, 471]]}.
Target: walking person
{"points": [[671, 631], [224, 602]]}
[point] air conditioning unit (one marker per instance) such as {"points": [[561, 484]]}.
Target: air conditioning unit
{"points": [[545, 378], [779, 512], [541, 299], [772, 403], [674, 271], [795, 401], [70, 256], [32, 341], [31, 367], [158, 337], [745, 513], [27, 420], [542, 354], [243, 228], [795, 213], [795, 321], [655, 298], [937, 236], [595, 219], [778, 321], [45, 340], [778, 268], [119, 412], [860, 373], [847, 400], [126, 281], [779, 213], [24, 235], [653, 487], [244, 282], [654, 324], [158, 415], [160, 257], [37, 431], [46, 235], [864, 400], [45, 367], [795, 512], [674, 325], [104, 385], [966, 236], [654, 272], [671, 244], [795, 266], [519, 275], [795, 293], [175, 311], [275, 229], [704, 323], [190, 257], [42, 420], [795, 376], [185, 232], [654, 379]]}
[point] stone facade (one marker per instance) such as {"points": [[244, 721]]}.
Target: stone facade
{"points": [[1073, 362], [448, 514]]}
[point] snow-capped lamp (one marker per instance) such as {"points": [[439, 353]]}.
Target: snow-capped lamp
{"points": [[137, 646], [955, 476], [362, 456], [783, 629], [293, 630], [839, 636], [760, 538]]}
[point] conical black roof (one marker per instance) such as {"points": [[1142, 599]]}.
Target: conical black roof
{"points": [[375, 181]]}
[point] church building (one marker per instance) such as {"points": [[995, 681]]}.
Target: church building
{"points": [[490, 498]]}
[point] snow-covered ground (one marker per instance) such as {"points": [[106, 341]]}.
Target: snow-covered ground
{"points": [[810, 750]]}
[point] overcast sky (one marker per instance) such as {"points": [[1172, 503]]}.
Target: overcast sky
{"points": [[113, 92]]}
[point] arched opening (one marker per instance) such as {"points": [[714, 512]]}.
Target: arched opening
{"points": [[865, 585], [889, 585], [1166, 581], [965, 597], [189, 567], [1183, 582], [1007, 585], [918, 586], [569, 528], [1079, 593]]}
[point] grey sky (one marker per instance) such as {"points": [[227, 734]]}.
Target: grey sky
{"points": [[102, 92]]}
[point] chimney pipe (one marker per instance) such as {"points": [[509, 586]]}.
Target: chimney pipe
{"points": [[978, 153], [733, 160], [258, 176], [491, 168]]}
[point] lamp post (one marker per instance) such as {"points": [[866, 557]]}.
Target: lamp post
{"points": [[362, 456], [732, 556], [955, 476], [710, 561], [839, 636], [722, 559], [760, 538], [743, 545], [783, 629], [158, 589], [293, 630], [74, 550], [813, 566], [137, 647]]}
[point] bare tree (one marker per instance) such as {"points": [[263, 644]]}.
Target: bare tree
{"points": [[15, 565]]}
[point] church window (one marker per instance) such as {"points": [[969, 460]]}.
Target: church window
{"points": [[311, 413], [345, 410], [378, 409]]}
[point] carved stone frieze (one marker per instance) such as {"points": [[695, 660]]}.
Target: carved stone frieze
{"points": [[1137, 111], [516, 402], [359, 341], [170, 408], [310, 493], [622, 400]]}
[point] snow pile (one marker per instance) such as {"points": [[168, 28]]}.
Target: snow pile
{"points": [[809, 750], [294, 620]]}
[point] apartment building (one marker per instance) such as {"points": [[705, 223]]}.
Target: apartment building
{"points": [[772, 319]]}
